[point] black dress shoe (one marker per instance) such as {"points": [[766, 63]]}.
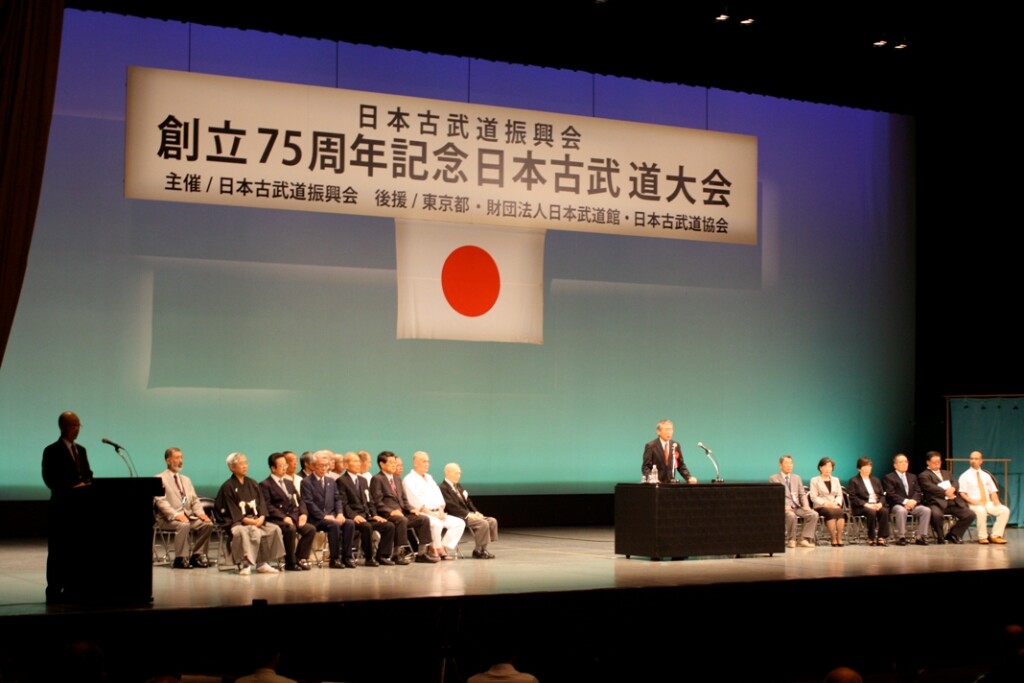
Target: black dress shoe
{"points": [[921, 540], [292, 568], [198, 561], [349, 563], [954, 539], [902, 541], [427, 559], [336, 564], [482, 555], [370, 562], [180, 563], [400, 560], [386, 561]]}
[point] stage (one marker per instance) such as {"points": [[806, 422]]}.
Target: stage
{"points": [[547, 590]]}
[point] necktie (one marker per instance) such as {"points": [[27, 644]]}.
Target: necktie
{"points": [[667, 457], [981, 489], [903, 478], [74, 459]]}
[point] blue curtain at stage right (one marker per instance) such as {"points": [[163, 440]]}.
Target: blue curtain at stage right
{"points": [[994, 426]]}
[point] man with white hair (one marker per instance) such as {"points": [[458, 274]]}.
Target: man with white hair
{"points": [[254, 542], [458, 503], [426, 499]]}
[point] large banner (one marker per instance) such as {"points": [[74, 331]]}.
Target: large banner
{"points": [[230, 141]]}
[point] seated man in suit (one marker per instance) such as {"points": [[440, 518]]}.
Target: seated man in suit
{"points": [[458, 504], [388, 496], [664, 456], [181, 511], [978, 488], [940, 494], [286, 509], [326, 508], [360, 509], [903, 494], [795, 505], [239, 502], [425, 498]]}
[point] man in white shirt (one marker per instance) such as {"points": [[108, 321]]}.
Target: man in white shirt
{"points": [[425, 498], [978, 489]]}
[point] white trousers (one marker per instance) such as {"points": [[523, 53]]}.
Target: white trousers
{"points": [[1000, 512]]}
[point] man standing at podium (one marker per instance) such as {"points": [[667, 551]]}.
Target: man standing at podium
{"points": [[65, 470], [665, 454]]}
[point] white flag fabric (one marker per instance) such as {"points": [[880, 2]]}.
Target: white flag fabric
{"points": [[469, 282]]}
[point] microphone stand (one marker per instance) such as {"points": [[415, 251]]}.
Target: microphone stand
{"points": [[127, 458], [718, 474]]}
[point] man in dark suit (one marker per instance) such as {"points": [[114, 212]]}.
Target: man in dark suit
{"points": [[326, 508], [359, 508], [903, 494], [67, 474], [286, 510], [665, 454], [940, 494], [389, 499], [458, 503]]}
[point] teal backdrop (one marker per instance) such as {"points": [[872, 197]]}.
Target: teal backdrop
{"points": [[221, 329], [993, 425]]}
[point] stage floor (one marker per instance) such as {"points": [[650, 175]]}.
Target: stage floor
{"points": [[528, 561]]}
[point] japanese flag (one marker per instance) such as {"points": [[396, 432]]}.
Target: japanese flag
{"points": [[470, 282]]}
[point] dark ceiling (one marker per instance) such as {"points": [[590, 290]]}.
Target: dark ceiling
{"points": [[814, 51]]}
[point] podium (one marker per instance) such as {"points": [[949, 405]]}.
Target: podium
{"points": [[108, 540], [689, 520]]}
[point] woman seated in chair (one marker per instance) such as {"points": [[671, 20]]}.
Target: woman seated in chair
{"points": [[868, 499], [827, 499]]}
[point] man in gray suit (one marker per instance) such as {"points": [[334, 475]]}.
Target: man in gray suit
{"points": [[181, 511], [796, 505]]}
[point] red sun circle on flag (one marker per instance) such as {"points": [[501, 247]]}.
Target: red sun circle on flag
{"points": [[470, 281]]}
